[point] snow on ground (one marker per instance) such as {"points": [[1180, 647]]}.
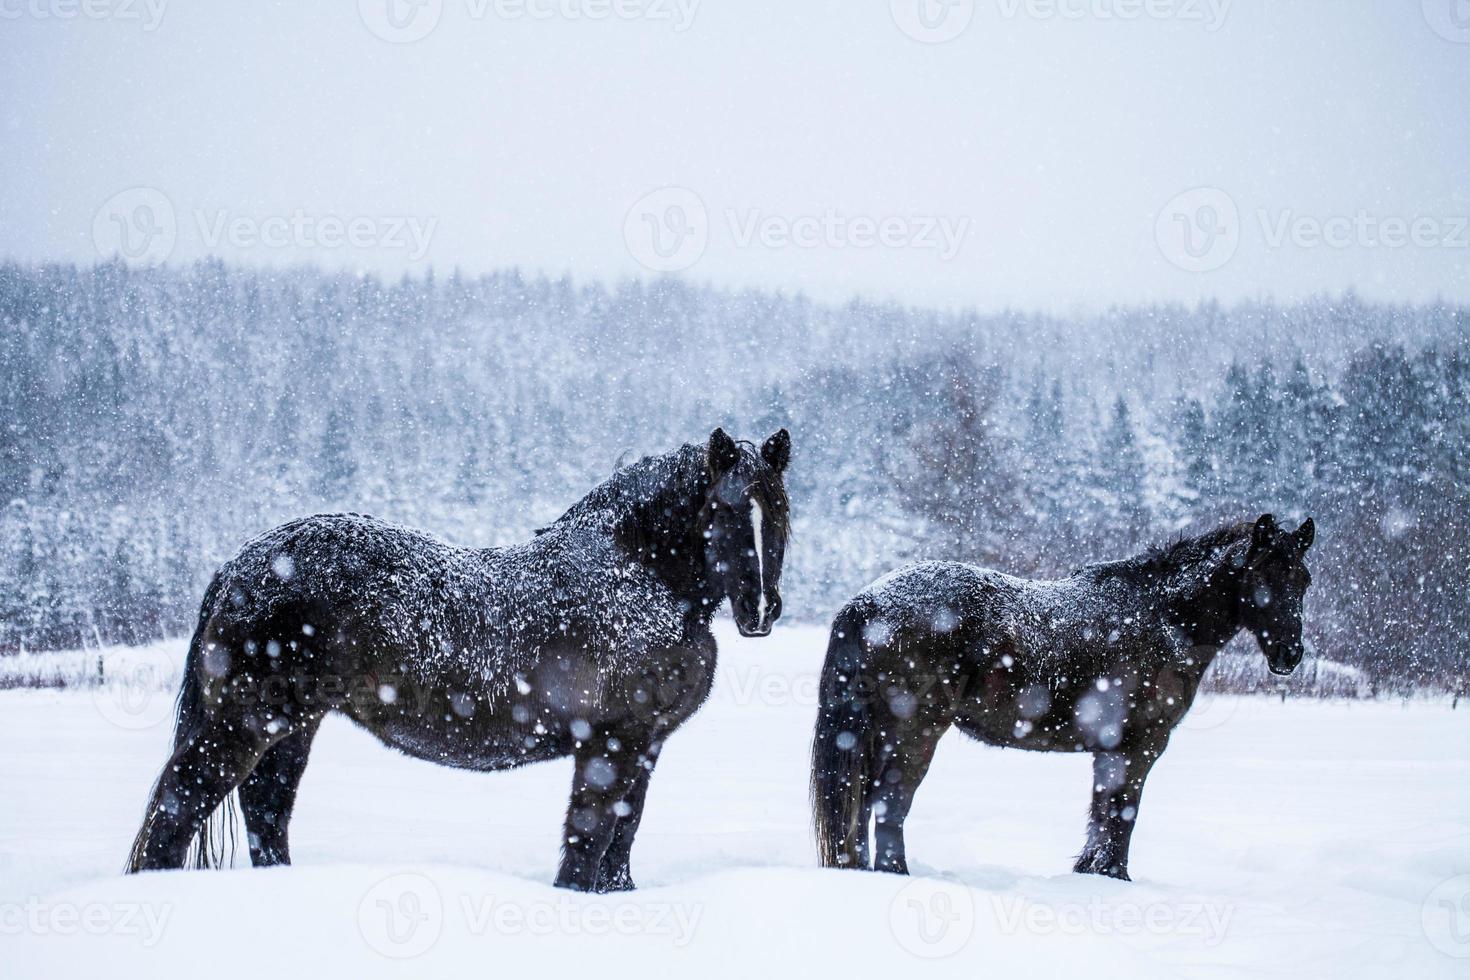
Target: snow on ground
{"points": [[1298, 839], [144, 669]]}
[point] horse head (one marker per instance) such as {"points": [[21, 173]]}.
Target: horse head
{"points": [[1273, 584], [745, 523]]}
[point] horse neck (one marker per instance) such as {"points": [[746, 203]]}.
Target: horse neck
{"points": [[1204, 599], [662, 533], [683, 574]]}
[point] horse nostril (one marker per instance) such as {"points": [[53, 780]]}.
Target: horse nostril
{"points": [[744, 606]]}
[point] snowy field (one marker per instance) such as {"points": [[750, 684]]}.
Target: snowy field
{"points": [[1300, 839]]}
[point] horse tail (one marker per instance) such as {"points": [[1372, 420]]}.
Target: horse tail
{"points": [[843, 748], [190, 718]]}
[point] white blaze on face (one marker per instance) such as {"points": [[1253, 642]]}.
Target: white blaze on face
{"points": [[757, 518]]}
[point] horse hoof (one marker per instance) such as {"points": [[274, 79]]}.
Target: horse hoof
{"points": [[616, 886], [1114, 871], [618, 882], [571, 884]]}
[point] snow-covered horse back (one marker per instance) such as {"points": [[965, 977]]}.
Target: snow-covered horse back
{"points": [[591, 640], [1105, 661]]}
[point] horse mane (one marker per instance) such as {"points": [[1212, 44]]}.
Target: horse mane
{"points": [[1174, 556], [647, 500]]}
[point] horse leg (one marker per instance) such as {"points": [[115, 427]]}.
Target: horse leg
{"points": [[1117, 788], [269, 794], [615, 874], [603, 779], [200, 774], [905, 756]]}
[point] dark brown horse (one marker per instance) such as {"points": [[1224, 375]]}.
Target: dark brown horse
{"points": [[1105, 661], [591, 640]]}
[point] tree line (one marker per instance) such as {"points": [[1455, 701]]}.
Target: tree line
{"points": [[153, 419]]}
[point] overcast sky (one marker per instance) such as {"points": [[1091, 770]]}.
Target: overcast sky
{"points": [[1056, 154]]}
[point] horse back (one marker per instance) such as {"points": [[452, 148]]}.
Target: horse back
{"points": [[361, 595], [1019, 662]]}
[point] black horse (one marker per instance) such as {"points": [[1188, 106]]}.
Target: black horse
{"points": [[1105, 661], [591, 640]]}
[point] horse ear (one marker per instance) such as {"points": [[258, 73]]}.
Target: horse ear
{"points": [[777, 451], [723, 453], [1305, 534], [1264, 531]]}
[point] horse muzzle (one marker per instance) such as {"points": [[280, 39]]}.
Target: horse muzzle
{"points": [[1284, 663], [755, 618]]}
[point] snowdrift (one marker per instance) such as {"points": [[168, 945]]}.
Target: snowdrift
{"points": [[1306, 838]]}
